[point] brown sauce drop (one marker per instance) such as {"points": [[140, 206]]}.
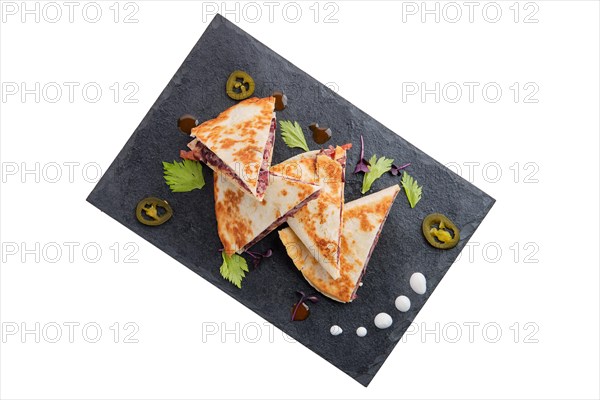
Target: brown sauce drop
{"points": [[320, 135], [280, 101], [186, 122], [302, 313]]}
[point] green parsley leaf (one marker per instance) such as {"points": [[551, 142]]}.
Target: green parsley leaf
{"points": [[376, 169], [184, 176], [233, 268], [412, 189], [292, 134]]}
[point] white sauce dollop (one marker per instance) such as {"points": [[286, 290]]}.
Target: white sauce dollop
{"points": [[383, 320], [362, 331], [335, 330], [402, 303], [418, 283]]}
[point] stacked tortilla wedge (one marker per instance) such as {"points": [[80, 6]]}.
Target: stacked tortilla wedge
{"points": [[331, 242], [319, 224], [363, 220]]}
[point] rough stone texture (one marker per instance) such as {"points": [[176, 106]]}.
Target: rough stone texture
{"points": [[191, 235]]}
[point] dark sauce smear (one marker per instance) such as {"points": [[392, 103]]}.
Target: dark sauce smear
{"points": [[302, 313], [320, 135], [280, 101], [186, 122]]}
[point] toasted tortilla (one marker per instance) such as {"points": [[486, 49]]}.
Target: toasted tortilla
{"points": [[363, 220], [319, 224], [239, 144], [302, 167], [242, 221]]}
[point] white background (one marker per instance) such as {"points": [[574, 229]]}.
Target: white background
{"points": [[547, 204]]}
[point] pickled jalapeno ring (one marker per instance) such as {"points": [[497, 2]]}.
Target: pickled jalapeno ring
{"points": [[239, 85], [435, 230], [153, 211]]}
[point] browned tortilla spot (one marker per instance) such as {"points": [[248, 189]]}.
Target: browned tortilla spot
{"points": [[239, 227], [247, 154], [362, 213], [227, 143]]}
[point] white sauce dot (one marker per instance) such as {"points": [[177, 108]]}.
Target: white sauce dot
{"points": [[418, 283], [362, 331], [383, 320], [402, 303], [335, 330]]}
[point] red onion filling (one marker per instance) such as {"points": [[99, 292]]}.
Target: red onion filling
{"points": [[263, 174]]}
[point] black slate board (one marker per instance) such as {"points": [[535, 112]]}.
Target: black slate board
{"points": [[191, 237]]}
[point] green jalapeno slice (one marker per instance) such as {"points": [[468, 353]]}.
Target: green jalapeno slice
{"points": [[239, 85], [153, 211], [436, 229]]}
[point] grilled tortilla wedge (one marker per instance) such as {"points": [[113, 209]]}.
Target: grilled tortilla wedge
{"points": [[242, 221], [238, 144]]}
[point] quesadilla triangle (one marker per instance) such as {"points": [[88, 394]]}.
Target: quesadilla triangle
{"points": [[319, 224], [238, 144], [242, 221], [363, 220]]}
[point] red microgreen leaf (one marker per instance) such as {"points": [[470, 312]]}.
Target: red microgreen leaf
{"points": [[258, 257], [396, 170], [363, 165]]}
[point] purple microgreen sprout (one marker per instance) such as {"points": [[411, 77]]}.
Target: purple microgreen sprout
{"points": [[258, 257], [363, 165], [303, 297], [396, 170]]}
